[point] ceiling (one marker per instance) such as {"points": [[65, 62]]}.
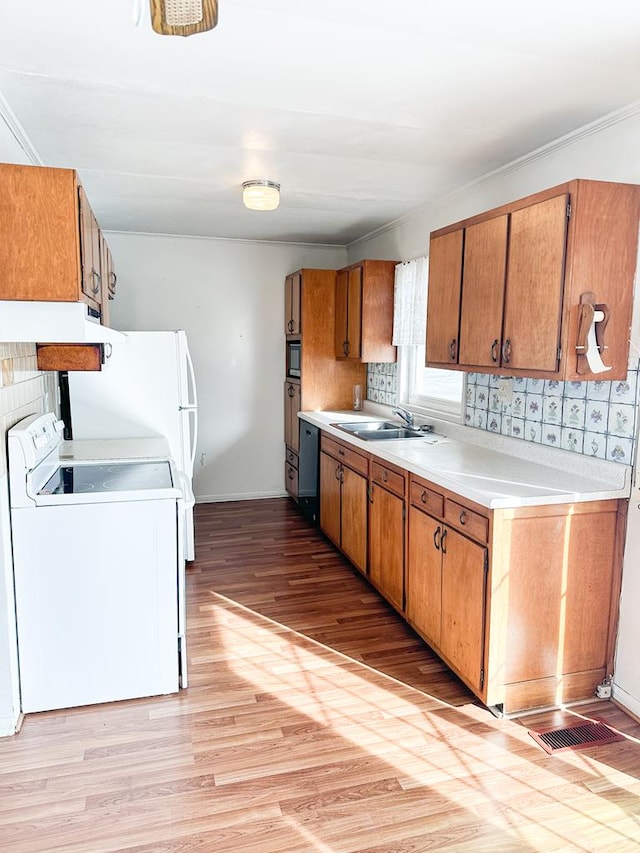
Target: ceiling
{"points": [[363, 110]]}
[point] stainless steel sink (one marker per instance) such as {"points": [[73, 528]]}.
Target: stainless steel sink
{"points": [[379, 430]]}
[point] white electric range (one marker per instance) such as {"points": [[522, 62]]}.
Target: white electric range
{"points": [[98, 567]]}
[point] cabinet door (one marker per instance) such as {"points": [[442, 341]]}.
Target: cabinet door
{"points": [[89, 250], [330, 475], [443, 300], [463, 605], [354, 313], [354, 518], [296, 296], [291, 421], [291, 480], [424, 575], [535, 281], [483, 282], [292, 295], [107, 276], [342, 307], [386, 544]]}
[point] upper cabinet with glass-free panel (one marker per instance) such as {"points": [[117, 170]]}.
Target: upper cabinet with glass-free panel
{"points": [[523, 269], [443, 299], [292, 297], [49, 238], [364, 312]]}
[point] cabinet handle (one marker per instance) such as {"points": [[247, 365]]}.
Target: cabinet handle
{"points": [[506, 351], [423, 498], [453, 349], [436, 538], [96, 278], [345, 348], [494, 351], [385, 476], [290, 472], [463, 517], [290, 390], [111, 287], [338, 472], [340, 452], [443, 546], [290, 325]]}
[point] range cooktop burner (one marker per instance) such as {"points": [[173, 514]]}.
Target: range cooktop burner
{"points": [[120, 477]]}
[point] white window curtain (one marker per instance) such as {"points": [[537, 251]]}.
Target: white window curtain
{"points": [[410, 303]]}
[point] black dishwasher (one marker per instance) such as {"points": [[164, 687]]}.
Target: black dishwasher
{"points": [[308, 471]]}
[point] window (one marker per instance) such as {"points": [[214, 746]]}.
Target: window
{"points": [[428, 390]]}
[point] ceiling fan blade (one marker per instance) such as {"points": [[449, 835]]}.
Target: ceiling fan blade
{"points": [[183, 17]]}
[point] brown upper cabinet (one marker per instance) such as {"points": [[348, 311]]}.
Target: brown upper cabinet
{"points": [[507, 287], [52, 247], [292, 297], [364, 312]]}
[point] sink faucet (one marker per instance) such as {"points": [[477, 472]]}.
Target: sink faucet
{"points": [[406, 416]]}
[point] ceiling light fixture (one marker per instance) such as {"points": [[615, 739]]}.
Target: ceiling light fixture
{"points": [[261, 195], [183, 17]]}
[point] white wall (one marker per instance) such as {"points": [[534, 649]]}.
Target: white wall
{"points": [[229, 297], [608, 152]]}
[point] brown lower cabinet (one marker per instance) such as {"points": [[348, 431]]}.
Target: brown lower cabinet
{"points": [[521, 603], [446, 598], [343, 499], [387, 531]]}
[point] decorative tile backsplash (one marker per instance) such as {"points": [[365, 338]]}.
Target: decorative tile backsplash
{"points": [[382, 383], [593, 418]]}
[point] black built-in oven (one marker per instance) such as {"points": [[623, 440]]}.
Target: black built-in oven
{"points": [[294, 359]]}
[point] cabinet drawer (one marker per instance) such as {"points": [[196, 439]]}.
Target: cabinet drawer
{"points": [[388, 478], [70, 356], [346, 455], [291, 479], [292, 458], [465, 519], [422, 497]]}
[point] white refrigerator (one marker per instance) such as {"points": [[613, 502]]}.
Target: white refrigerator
{"points": [[146, 388]]}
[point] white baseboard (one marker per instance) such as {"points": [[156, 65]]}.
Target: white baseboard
{"points": [[241, 496], [9, 726], [626, 700]]}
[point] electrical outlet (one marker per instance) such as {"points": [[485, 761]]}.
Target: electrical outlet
{"points": [[505, 389], [203, 458], [603, 690]]}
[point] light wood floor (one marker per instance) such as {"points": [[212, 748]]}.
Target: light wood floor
{"points": [[315, 720]]}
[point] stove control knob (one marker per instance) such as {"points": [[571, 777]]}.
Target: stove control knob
{"points": [[40, 440], [58, 426]]}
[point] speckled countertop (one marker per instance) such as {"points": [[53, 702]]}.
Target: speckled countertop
{"points": [[491, 478]]}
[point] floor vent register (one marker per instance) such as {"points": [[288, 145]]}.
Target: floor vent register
{"points": [[575, 737]]}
